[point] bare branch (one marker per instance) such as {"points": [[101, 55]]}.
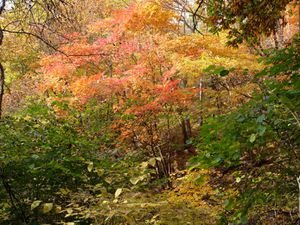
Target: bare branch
{"points": [[53, 47], [195, 14], [2, 6]]}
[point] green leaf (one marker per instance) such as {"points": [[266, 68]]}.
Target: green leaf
{"points": [[245, 71], [209, 68], [152, 162], [35, 204], [229, 204], [35, 157], [200, 180], [261, 118], [252, 138], [224, 73], [189, 142], [261, 130]]}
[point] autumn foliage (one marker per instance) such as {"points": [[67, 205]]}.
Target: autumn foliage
{"points": [[149, 112], [136, 61]]}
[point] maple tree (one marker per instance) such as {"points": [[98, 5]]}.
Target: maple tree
{"points": [[147, 92], [127, 69]]}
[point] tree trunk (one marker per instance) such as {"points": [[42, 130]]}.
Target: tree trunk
{"points": [[188, 128], [2, 75], [184, 131], [275, 39], [2, 80]]}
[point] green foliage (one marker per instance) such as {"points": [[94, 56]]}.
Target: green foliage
{"points": [[259, 143], [212, 69], [219, 145], [60, 171], [42, 155]]}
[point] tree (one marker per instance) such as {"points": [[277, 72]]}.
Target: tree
{"points": [[2, 75], [37, 19], [127, 70], [31, 18], [258, 143], [248, 21]]}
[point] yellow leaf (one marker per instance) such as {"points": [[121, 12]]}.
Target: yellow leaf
{"points": [[134, 180], [69, 210], [108, 180], [35, 204], [90, 166], [118, 192], [47, 207], [58, 209]]}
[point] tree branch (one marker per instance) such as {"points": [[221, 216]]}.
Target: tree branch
{"points": [[56, 49], [2, 6]]}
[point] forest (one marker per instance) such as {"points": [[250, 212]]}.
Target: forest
{"points": [[158, 112]]}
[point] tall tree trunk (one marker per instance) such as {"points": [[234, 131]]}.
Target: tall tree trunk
{"points": [[299, 17], [201, 100], [184, 131], [275, 39], [188, 128], [2, 75], [2, 80], [281, 32]]}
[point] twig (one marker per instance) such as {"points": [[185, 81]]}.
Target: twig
{"points": [[298, 181]]}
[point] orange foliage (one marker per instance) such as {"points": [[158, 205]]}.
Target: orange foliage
{"points": [[132, 62], [118, 62]]}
